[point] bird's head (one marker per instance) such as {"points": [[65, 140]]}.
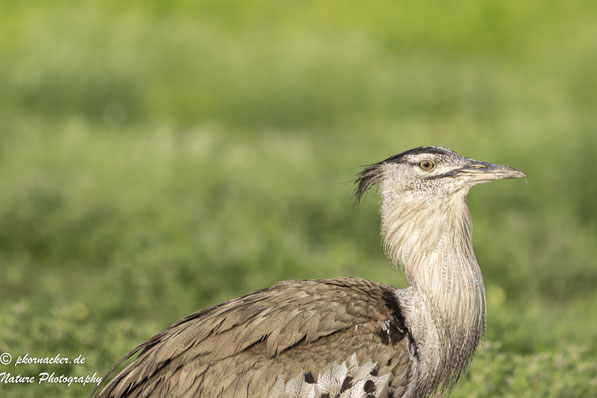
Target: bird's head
{"points": [[429, 172]]}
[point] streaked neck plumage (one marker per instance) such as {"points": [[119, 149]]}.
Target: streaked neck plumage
{"points": [[445, 304]]}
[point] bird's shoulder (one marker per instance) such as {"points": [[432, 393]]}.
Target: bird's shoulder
{"points": [[286, 313]]}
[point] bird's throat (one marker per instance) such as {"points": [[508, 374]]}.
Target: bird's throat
{"points": [[445, 304]]}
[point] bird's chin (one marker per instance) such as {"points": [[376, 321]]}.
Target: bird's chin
{"points": [[483, 179]]}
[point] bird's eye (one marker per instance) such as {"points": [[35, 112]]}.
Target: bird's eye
{"points": [[427, 165]]}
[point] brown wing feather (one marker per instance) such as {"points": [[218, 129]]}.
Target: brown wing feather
{"points": [[239, 348]]}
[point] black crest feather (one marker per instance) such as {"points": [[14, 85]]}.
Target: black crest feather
{"points": [[365, 180]]}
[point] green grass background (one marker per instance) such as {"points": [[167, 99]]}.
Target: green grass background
{"points": [[159, 157]]}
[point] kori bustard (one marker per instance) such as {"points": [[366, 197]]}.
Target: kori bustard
{"points": [[345, 337]]}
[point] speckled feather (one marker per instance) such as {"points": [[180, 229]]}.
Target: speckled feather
{"points": [[296, 330]]}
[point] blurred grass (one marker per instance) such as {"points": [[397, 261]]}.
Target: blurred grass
{"points": [[158, 157]]}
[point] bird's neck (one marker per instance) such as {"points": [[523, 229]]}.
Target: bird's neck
{"points": [[445, 304]]}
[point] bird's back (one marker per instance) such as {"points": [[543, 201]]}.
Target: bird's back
{"points": [[321, 338]]}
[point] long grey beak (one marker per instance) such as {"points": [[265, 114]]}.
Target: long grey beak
{"points": [[483, 172]]}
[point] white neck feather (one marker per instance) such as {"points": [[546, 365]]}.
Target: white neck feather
{"points": [[445, 305]]}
